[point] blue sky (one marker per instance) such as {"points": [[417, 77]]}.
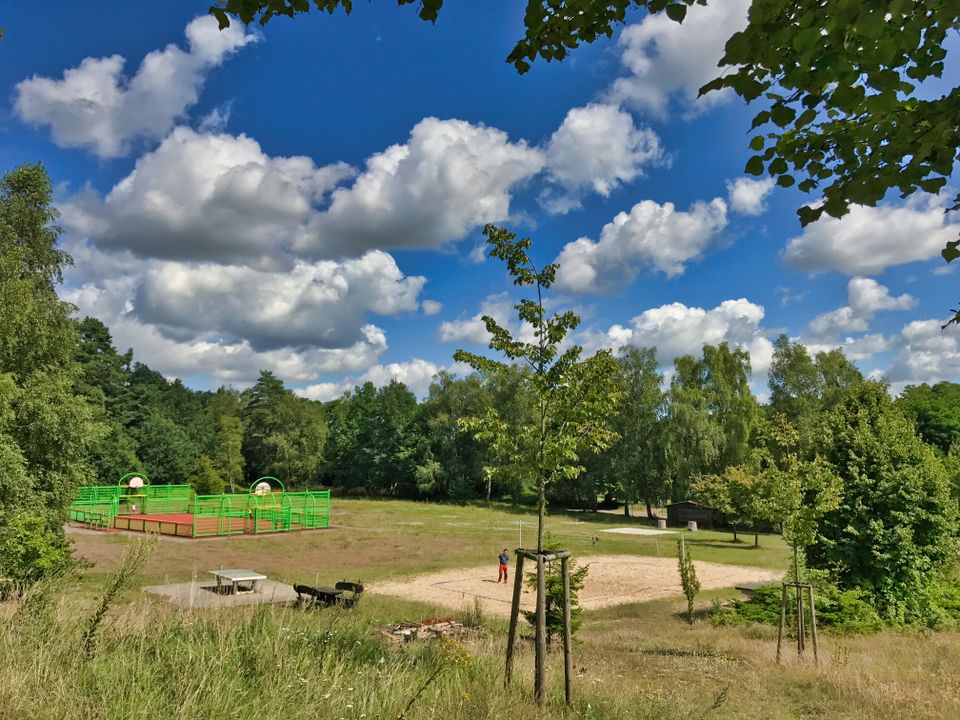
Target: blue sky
{"points": [[308, 197]]}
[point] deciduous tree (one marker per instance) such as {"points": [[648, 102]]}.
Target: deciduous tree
{"points": [[575, 399], [894, 528]]}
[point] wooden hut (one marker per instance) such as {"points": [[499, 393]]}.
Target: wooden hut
{"points": [[680, 513]]}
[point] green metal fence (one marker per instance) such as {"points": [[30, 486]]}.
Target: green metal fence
{"points": [[94, 512], [165, 499], [267, 508], [215, 515]]}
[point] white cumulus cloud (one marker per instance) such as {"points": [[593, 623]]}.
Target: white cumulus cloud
{"points": [[320, 304], [431, 307], [416, 374], [206, 196], [676, 329], [597, 148], [472, 329], [748, 196], [95, 106], [665, 59], [870, 239], [650, 236], [448, 178], [927, 355], [230, 321], [865, 298]]}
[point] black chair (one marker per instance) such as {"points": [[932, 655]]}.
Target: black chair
{"points": [[350, 593], [313, 596]]}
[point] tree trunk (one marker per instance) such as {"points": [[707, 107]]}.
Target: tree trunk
{"points": [[649, 508], [626, 509], [756, 539], [735, 539]]}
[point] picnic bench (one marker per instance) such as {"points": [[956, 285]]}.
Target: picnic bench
{"points": [[239, 580], [750, 588], [344, 594]]}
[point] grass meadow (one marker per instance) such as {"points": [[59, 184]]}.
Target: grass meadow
{"points": [[631, 661]]}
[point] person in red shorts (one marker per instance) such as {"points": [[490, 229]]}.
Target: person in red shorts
{"points": [[504, 559]]}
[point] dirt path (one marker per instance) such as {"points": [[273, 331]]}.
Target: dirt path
{"points": [[612, 580]]}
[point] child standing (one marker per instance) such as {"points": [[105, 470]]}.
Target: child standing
{"points": [[504, 559]]}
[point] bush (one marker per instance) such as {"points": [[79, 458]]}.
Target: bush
{"points": [[30, 551], [554, 599], [688, 577], [845, 611]]}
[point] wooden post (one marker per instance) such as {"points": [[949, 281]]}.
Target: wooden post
{"points": [[567, 631], [813, 627], [514, 613], [541, 653], [801, 629], [783, 619]]}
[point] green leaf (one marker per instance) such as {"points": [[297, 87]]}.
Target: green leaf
{"points": [[782, 115], [756, 143], [760, 119], [933, 185], [835, 206], [676, 12], [808, 215], [785, 181], [754, 166], [951, 251]]}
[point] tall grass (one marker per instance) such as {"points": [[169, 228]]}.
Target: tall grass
{"points": [[275, 662], [250, 663]]}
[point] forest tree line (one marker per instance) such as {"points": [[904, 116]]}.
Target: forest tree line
{"points": [[384, 441]]}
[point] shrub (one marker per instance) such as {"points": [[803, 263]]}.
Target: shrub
{"points": [[554, 600], [688, 577], [30, 551], [839, 610]]}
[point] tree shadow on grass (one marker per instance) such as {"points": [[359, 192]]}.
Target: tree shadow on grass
{"points": [[723, 545]]}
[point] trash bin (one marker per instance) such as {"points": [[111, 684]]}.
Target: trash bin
{"points": [[661, 524], [692, 525]]}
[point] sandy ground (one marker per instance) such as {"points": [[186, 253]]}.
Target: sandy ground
{"points": [[612, 580]]}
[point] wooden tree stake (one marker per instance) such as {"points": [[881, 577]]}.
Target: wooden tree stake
{"points": [[801, 622], [567, 631], [514, 614], [813, 627], [783, 621], [541, 654]]}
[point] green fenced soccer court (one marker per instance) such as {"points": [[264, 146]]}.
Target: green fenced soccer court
{"points": [[134, 504]]}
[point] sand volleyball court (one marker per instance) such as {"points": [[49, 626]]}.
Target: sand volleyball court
{"points": [[612, 580]]}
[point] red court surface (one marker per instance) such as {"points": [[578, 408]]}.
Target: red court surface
{"points": [[179, 524], [183, 525]]}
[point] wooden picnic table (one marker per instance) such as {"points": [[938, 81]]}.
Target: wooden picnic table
{"points": [[236, 577]]}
